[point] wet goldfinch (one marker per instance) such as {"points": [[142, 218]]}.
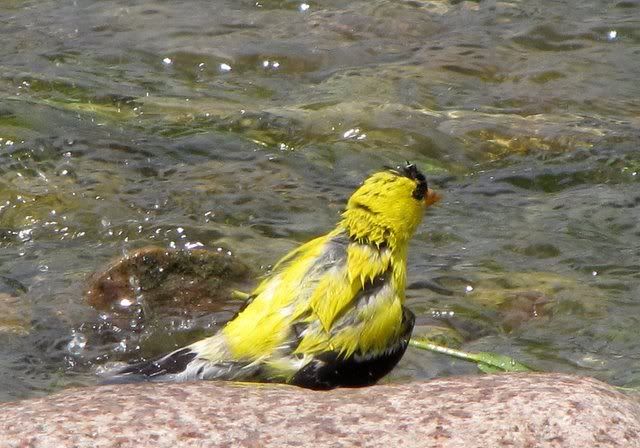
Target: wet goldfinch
{"points": [[331, 312]]}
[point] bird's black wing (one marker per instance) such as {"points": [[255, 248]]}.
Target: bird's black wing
{"points": [[330, 370]]}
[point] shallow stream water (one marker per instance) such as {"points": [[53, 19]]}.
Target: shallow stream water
{"points": [[245, 125]]}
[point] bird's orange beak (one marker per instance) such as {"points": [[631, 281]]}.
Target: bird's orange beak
{"points": [[431, 197]]}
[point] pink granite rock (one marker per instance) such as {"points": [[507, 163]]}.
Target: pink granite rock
{"points": [[514, 410]]}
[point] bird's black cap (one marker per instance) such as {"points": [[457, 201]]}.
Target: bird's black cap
{"points": [[411, 171]]}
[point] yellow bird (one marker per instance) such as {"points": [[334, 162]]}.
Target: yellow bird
{"points": [[331, 312]]}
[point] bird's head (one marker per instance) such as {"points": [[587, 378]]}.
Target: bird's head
{"points": [[389, 206]]}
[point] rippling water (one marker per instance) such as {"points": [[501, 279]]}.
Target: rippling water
{"points": [[246, 125]]}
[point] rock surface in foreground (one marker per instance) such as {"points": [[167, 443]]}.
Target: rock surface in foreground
{"points": [[521, 410]]}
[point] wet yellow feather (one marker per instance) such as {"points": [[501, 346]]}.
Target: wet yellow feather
{"points": [[264, 323]]}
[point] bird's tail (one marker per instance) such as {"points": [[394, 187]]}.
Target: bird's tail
{"points": [[160, 369], [206, 359]]}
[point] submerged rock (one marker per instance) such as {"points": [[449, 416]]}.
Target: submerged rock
{"points": [[520, 410], [14, 318], [154, 300], [15, 312], [168, 279]]}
